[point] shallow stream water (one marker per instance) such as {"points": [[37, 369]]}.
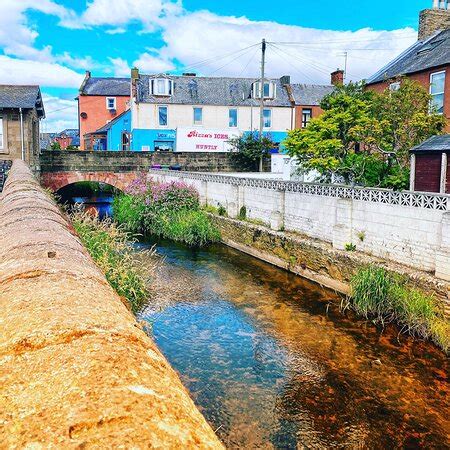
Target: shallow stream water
{"points": [[272, 361]]}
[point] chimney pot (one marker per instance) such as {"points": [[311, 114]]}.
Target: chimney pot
{"points": [[337, 77], [88, 74]]}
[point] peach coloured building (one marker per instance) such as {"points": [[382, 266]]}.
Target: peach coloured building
{"points": [[100, 100]]}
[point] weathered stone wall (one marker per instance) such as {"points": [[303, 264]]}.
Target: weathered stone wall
{"points": [[406, 228], [76, 369], [84, 161], [315, 260]]}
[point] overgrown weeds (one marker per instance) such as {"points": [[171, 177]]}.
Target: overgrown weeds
{"points": [[385, 297], [111, 247]]}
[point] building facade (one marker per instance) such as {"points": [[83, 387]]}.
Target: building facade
{"points": [[100, 100], [427, 61], [21, 109], [68, 138], [189, 113]]}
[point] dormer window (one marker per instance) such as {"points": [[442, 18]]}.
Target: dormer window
{"points": [[161, 86], [269, 90]]}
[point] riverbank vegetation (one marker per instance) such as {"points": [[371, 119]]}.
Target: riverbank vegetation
{"points": [[385, 297], [111, 247], [169, 210], [364, 137]]}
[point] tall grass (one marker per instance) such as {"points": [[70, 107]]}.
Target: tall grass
{"points": [[111, 248], [384, 297]]}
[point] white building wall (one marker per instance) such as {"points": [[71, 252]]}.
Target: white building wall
{"points": [[145, 116], [412, 235]]}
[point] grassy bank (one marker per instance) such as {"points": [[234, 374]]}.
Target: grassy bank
{"points": [[168, 210], [385, 297], [111, 248]]}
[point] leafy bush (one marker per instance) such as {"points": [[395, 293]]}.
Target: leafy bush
{"points": [[170, 210], [111, 248], [385, 297]]}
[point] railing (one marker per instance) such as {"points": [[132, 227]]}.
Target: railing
{"points": [[439, 202]]}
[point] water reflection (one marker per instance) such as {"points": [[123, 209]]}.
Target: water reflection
{"points": [[273, 363]]}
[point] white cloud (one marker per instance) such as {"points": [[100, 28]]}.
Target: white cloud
{"points": [[116, 13], [118, 30], [120, 67], [152, 62], [23, 71]]}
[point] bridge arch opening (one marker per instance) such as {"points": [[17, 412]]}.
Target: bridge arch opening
{"points": [[96, 197]]}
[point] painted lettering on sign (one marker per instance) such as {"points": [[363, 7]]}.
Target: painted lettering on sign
{"points": [[202, 139]]}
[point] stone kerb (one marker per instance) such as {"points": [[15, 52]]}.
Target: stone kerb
{"points": [[76, 369]]}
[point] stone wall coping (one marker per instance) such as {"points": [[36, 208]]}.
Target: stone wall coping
{"points": [[440, 202]]}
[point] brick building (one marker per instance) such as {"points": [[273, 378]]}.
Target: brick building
{"points": [[427, 61], [21, 109], [99, 101], [68, 137]]}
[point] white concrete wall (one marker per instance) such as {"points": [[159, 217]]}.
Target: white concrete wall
{"points": [[145, 116], [418, 237]]}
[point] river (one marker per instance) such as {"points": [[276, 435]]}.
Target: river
{"points": [[272, 361]]}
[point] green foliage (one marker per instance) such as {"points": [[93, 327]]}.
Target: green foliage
{"points": [[111, 248], [71, 147], [385, 297], [242, 213], [221, 210], [384, 126], [169, 210], [249, 148], [55, 146], [350, 247]]}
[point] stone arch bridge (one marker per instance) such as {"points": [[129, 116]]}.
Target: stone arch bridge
{"points": [[61, 168]]}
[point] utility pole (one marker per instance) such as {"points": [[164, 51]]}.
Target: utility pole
{"points": [[345, 65], [261, 107]]}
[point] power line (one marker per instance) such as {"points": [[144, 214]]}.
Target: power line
{"points": [[229, 62]]}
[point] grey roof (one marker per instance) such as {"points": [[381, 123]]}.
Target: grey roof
{"points": [[75, 141], [220, 91], [46, 139], [439, 143], [310, 94], [106, 86], [19, 96], [427, 54]]}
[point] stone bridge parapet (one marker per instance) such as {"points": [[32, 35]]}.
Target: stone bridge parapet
{"points": [[76, 369]]}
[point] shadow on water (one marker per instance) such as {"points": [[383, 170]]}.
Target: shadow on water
{"points": [[272, 362], [95, 197]]}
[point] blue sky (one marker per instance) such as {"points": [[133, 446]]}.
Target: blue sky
{"points": [[52, 42]]}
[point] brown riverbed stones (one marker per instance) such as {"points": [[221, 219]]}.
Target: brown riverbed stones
{"points": [[76, 370]]}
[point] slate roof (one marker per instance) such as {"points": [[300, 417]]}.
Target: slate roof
{"points": [[19, 96], [310, 94], [115, 87], [71, 132], [427, 54], [218, 91], [434, 144], [75, 141], [46, 139]]}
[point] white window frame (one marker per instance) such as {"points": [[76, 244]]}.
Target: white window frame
{"points": [[167, 83], [395, 86], [257, 89], [201, 115], [438, 93], [2, 134], [237, 117], [271, 118], [107, 103], [167, 116], [305, 123]]}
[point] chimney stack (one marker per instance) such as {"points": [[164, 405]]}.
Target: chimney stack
{"points": [[134, 79], [435, 19], [337, 77]]}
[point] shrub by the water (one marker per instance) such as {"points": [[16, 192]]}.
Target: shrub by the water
{"points": [[169, 210], [111, 248], [384, 297]]}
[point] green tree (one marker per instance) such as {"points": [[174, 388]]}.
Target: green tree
{"points": [[364, 137], [55, 146], [249, 148]]}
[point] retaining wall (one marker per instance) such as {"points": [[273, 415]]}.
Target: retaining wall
{"points": [[404, 227], [76, 369]]}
